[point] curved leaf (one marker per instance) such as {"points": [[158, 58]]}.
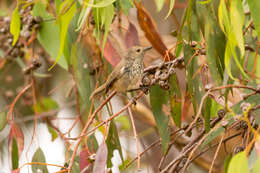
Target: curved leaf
{"points": [[65, 21], [159, 4], [170, 8], [238, 164], [15, 25]]}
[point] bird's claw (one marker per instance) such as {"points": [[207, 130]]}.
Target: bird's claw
{"points": [[133, 99]]}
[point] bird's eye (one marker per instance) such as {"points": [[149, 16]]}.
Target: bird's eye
{"points": [[138, 50]]}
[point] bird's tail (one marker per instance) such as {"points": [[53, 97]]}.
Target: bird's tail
{"points": [[98, 91]]}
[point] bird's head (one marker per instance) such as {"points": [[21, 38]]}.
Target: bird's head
{"points": [[137, 52]]}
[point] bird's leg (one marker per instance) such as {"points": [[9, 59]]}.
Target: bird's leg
{"points": [[133, 99], [145, 89]]}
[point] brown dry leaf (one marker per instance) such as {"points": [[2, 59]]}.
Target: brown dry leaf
{"points": [[151, 32]]}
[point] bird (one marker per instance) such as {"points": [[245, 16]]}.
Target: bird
{"points": [[126, 74]]}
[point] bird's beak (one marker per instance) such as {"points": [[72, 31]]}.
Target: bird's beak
{"points": [[147, 48]]}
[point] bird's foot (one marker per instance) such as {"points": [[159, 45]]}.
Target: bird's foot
{"points": [[133, 99], [145, 89]]}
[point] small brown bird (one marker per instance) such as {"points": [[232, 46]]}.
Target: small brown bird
{"points": [[126, 74]]}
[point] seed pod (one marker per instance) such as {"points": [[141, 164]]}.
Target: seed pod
{"points": [[146, 81], [164, 76], [244, 106], [157, 74], [238, 149], [221, 113], [171, 71]]}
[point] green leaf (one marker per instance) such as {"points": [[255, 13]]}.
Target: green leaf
{"points": [[15, 154], [126, 5], [194, 82], [256, 168], [253, 100], [79, 59], [48, 34], [92, 143], [103, 3], [170, 8], [204, 2], [227, 161], [232, 25], [159, 4], [3, 120], [15, 25], [206, 113], [237, 19], [158, 98], [64, 25], [228, 57], [238, 163], [113, 143], [175, 101], [176, 111], [107, 16], [214, 49], [83, 16], [212, 135], [46, 104], [254, 7], [223, 17], [124, 122], [215, 107], [39, 157], [53, 133]]}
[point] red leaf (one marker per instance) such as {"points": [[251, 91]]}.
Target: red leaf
{"points": [[150, 30], [17, 133], [131, 37], [111, 54], [83, 161], [16, 170], [101, 159]]}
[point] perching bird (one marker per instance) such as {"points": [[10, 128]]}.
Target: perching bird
{"points": [[126, 74]]}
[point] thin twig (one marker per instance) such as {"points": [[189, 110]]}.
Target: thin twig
{"points": [[85, 130], [155, 143], [216, 153], [212, 146], [255, 108], [198, 113], [136, 138], [193, 144], [175, 63], [197, 146], [233, 86], [10, 112], [115, 115]]}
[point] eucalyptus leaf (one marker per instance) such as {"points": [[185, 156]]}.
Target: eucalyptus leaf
{"points": [[15, 25], [39, 157], [158, 98]]}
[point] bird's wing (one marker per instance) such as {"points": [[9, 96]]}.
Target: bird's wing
{"points": [[113, 77]]}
